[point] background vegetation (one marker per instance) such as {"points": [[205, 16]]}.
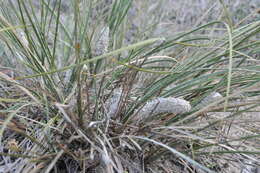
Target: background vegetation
{"points": [[129, 86]]}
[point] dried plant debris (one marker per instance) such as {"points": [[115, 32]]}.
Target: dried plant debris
{"points": [[163, 105], [250, 168]]}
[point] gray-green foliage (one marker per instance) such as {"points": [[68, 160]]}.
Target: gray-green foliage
{"points": [[71, 63]]}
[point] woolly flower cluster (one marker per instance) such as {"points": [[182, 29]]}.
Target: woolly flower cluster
{"points": [[163, 105], [159, 105], [212, 97], [154, 107], [113, 103], [103, 42]]}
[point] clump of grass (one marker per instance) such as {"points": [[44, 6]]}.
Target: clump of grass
{"points": [[74, 102]]}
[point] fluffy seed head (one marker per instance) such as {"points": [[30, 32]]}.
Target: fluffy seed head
{"points": [[103, 42], [163, 105], [212, 97]]}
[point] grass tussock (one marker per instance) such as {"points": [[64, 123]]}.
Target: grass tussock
{"points": [[83, 89]]}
